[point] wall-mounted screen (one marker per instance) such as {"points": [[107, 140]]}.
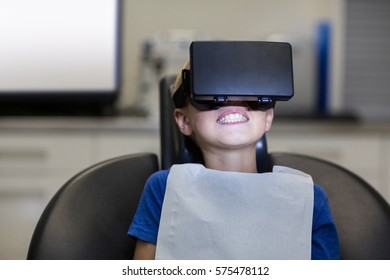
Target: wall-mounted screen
{"points": [[59, 51]]}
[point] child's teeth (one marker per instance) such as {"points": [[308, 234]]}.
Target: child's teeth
{"points": [[231, 118]]}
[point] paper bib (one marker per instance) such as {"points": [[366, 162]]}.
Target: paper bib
{"points": [[211, 214]]}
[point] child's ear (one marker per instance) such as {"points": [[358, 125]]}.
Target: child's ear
{"points": [[269, 116], [182, 121]]}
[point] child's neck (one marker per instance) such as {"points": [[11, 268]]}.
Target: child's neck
{"points": [[232, 161]]}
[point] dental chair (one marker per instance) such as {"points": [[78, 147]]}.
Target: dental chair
{"points": [[89, 216], [361, 214]]}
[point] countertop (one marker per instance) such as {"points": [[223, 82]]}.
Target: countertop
{"points": [[74, 124]]}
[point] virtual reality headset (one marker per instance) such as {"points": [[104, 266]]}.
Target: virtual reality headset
{"points": [[259, 73]]}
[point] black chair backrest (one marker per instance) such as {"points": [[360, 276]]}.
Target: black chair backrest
{"points": [[89, 216], [177, 148], [361, 215]]}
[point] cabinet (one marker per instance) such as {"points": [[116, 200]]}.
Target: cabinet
{"points": [[37, 158], [118, 143], [32, 167]]}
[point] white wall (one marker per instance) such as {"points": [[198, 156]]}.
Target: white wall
{"points": [[235, 20]]}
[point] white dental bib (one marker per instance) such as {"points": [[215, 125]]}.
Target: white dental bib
{"points": [[211, 214]]}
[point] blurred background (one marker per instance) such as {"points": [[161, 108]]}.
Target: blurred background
{"points": [[161, 34], [79, 84], [339, 46]]}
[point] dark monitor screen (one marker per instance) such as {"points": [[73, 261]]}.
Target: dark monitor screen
{"points": [[63, 51]]}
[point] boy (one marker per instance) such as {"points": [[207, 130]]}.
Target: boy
{"points": [[227, 136]]}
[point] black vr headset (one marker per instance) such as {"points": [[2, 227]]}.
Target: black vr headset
{"points": [[259, 73]]}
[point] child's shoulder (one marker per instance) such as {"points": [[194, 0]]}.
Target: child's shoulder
{"points": [[321, 204], [319, 194], [160, 175], [157, 182]]}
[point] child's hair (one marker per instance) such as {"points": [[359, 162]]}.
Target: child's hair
{"points": [[178, 80]]}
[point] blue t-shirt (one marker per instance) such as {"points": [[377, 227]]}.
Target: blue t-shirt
{"points": [[325, 244]]}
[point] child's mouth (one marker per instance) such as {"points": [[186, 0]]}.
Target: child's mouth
{"points": [[232, 118]]}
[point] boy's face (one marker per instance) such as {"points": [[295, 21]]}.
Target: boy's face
{"points": [[229, 127]]}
